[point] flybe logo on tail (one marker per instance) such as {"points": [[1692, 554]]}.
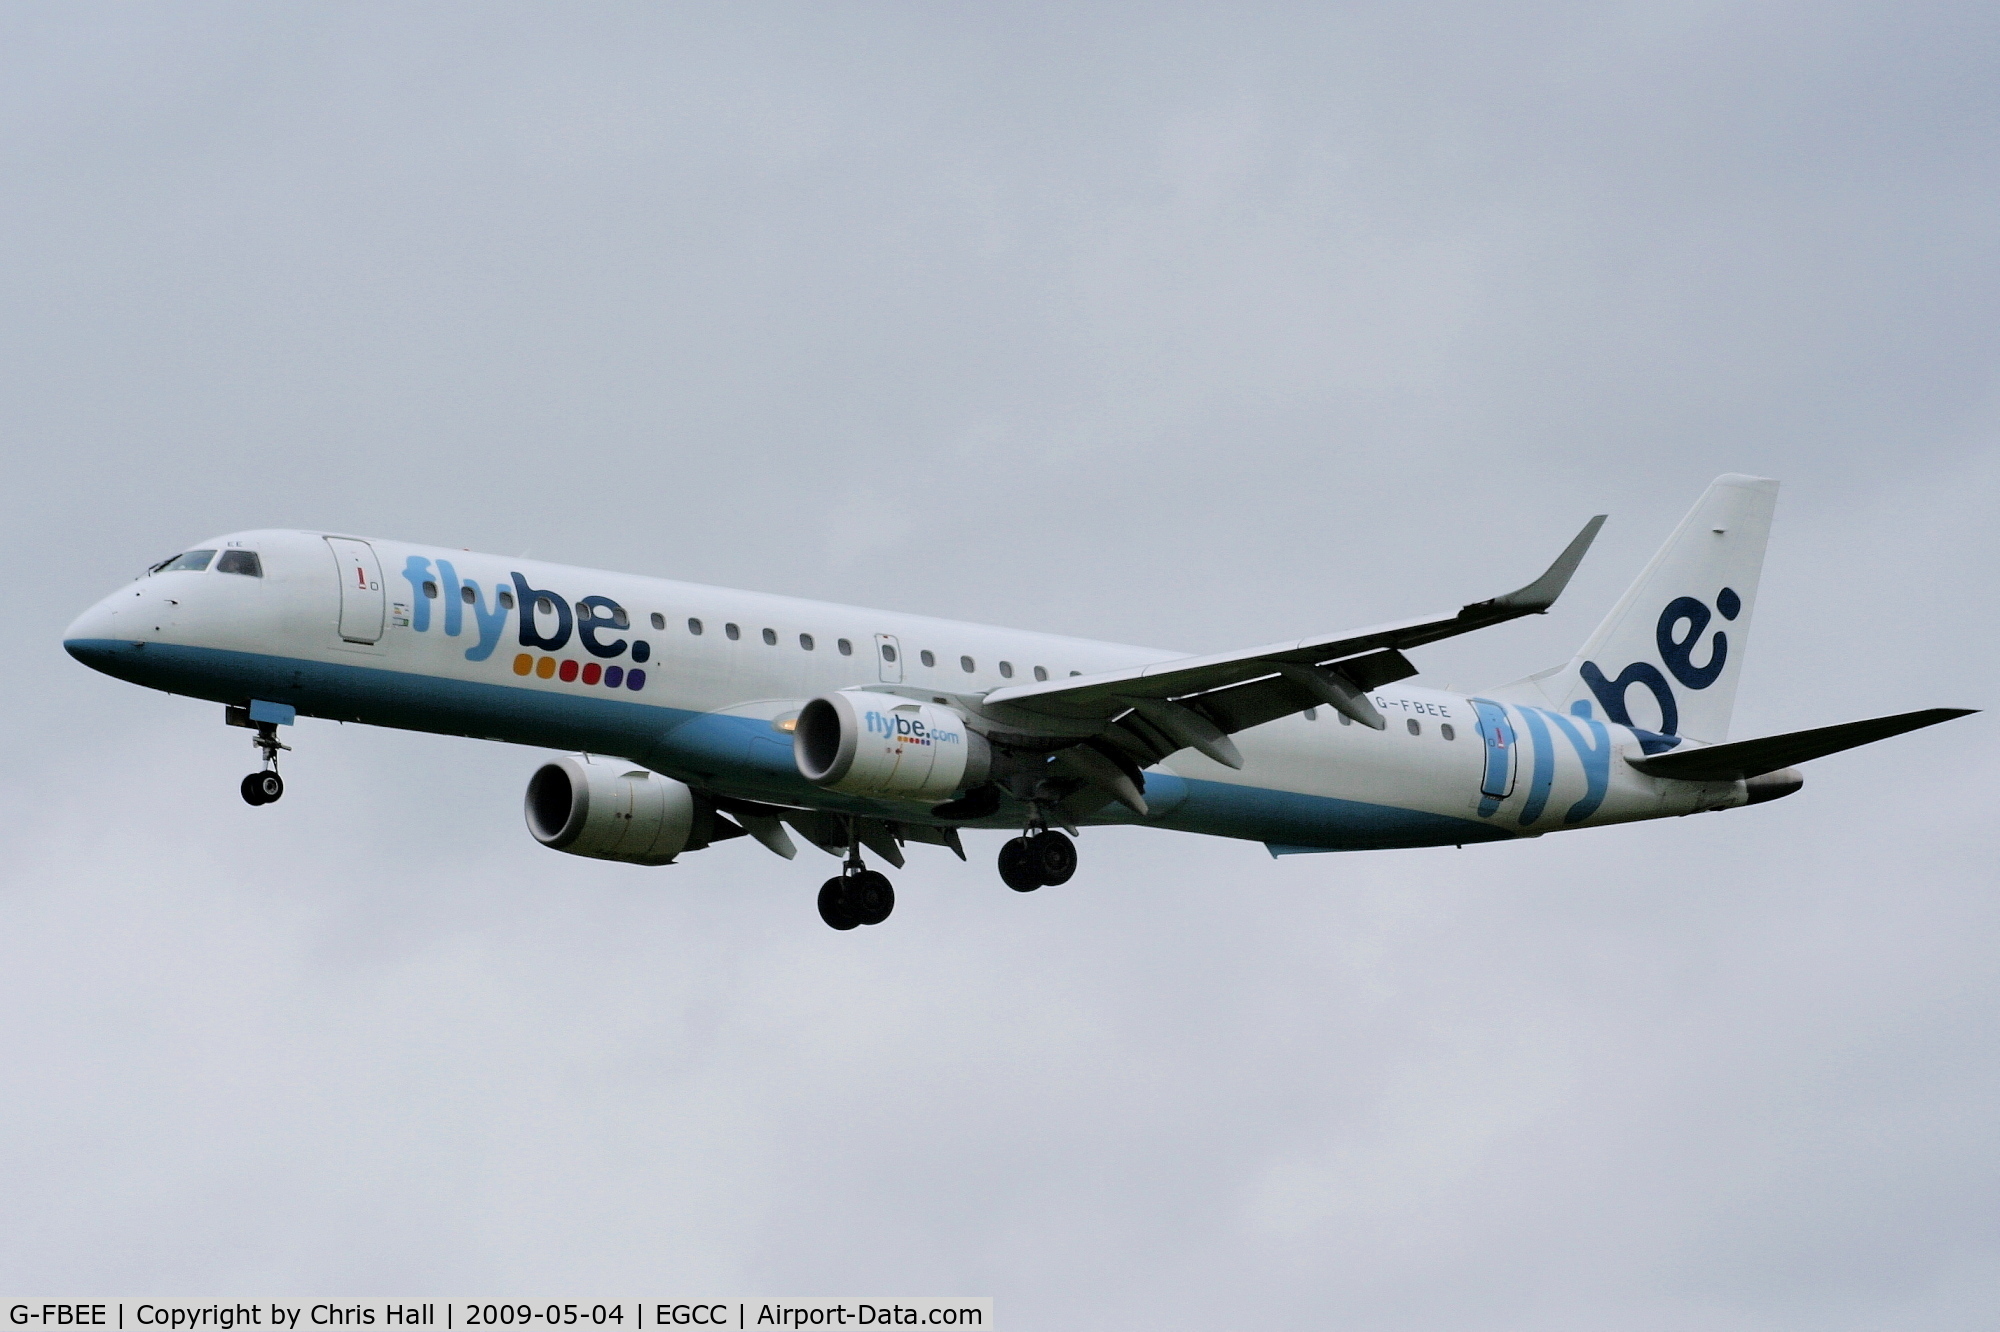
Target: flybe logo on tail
{"points": [[1678, 637]]}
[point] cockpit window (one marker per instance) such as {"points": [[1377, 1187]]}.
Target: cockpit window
{"points": [[241, 562], [193, 561]]}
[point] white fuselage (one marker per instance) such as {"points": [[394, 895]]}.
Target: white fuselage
{"points": [[702, 684]]}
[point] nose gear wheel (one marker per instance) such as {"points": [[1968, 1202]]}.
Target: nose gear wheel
{"points": [[261, 788]]}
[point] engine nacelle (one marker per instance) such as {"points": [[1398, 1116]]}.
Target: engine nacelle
{"points": [[859, 742], [608, 810]]}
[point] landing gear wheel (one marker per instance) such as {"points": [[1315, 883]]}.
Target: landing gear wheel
{"points": [[262, 788], [1053, 854], [1019, 867], [870, 897], [833, 905]]}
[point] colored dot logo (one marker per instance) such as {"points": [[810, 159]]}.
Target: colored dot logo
{"points": [[590, 673]]}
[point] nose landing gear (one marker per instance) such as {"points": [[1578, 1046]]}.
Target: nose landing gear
{"points": [[266, 786]]}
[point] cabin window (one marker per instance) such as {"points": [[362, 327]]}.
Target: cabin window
{"points": [[1041, 672], [770, 638], [927, 657], [506, 598], [1346, 720], [888, 652], [659, 620], [1312, 714], [246, 562], [1076, 672], [467, 595], [1006, 670], [965, 664], [619, 619], [1416, 727], [731, 632], [806, 642], [430, 588], [192, 562], [694, 626], [846, 648], [545, 606], [1444, 729]]}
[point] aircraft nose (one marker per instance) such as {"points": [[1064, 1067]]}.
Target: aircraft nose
{"points": [[92, 638]]}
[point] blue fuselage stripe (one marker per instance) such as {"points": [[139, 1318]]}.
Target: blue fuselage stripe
{"points": [[737, 756]]}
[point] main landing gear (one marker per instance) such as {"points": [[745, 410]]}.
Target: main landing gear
{"points": [[857, 895], [1039, 858]]}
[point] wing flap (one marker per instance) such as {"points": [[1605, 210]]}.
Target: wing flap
{"points": [[1744, 759]]}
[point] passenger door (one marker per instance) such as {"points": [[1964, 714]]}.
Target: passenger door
{"points": [[361, 595]]}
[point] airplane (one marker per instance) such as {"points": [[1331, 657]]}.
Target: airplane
{"points": [[695, 715]]}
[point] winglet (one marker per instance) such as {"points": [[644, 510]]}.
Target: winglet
{"points": [[1538, 596]]}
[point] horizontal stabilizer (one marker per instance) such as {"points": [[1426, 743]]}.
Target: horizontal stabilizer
{"points": [[1743, 759]]}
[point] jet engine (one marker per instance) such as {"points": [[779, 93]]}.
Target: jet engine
{"points": [[608, 810], [859, 742]]}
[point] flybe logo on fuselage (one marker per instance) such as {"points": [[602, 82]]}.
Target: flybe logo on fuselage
{"points": [[904, 729], [1677, 647], [546, 621]]}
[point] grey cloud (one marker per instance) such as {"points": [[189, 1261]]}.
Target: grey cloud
{"points": [[1187, 326]]}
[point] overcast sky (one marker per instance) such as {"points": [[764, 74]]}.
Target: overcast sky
{"points": [[1197, 326]]}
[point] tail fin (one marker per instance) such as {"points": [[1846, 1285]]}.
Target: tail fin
{"points": [[1668, 656]]}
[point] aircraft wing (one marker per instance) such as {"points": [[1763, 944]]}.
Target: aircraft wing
{"points": [[1740, 760], [1197, 701]]}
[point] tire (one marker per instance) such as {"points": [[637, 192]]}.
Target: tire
{"points": [[1018, 867], [870, 897], [252, 789], [833, 905], [1055, 855]]}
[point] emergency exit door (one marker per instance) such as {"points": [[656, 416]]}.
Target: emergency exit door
{"points": [[361, 595], [889, 658]]}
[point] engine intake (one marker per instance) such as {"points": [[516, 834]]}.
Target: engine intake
{"points": [[607, 810], [859, 742]]}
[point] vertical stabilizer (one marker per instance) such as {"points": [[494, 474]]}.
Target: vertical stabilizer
{"points": [[1667, 657]]}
